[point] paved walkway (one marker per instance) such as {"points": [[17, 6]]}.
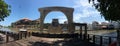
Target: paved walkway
{"points": [[39, 41]]}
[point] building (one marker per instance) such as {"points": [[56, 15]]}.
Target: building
{"points": [[26, 23], [31, 24], [89, 27], [115, 24], [95, 25], [103, 25]]}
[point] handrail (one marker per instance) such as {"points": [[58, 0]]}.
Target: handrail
{"points": [[101, 39], [90, 37], [104, 36]]}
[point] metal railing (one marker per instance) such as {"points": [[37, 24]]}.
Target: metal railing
{"points": [[101, 40], [96, 39], [15, 36]]}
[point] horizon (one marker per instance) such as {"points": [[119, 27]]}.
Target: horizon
{"points": [[83, 11]]}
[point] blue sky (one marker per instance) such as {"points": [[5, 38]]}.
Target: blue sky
{"points": [[83, 11]]}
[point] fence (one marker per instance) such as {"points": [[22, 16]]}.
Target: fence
{"points": [[101, 40], [15, 36], [96, 39], [47, 35]]}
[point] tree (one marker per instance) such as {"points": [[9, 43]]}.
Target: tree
{"points": [[4, 10], [109, 9]]}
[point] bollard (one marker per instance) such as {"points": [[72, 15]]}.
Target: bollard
{"points": [[13, 36], [118, 36], [28, 34], [81, 35], [84, 37], [20, 35], [7, 38], [110, 40], [17, 36], [94, 39], [24, 34], [88, 37], [101, 40]]}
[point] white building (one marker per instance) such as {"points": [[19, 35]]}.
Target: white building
{"points": [[95, 25], [116, 24], [89, 27]]}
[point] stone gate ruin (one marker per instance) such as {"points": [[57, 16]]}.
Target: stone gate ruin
{"points": [[67, 11]]}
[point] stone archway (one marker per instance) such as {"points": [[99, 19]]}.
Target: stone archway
{"points": [[67, 11]]}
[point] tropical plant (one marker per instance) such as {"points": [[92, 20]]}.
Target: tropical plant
{"points": [[4, 10], [109, 9]]}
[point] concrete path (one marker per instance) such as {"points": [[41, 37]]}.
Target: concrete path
{"points": [[39, 41]]}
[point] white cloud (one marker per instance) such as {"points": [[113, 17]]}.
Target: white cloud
{"points": [[62, 19], [83, 3], [85, 9]]}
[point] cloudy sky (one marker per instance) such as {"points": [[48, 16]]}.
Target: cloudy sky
{"points": [[83, 11]]}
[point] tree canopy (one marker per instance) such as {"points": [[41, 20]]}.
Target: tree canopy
{"points": [[4, 10], [109, 9]]}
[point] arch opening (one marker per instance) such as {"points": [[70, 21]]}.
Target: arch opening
{"points": [[62, 19], [67, 11], [55, 15]]}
